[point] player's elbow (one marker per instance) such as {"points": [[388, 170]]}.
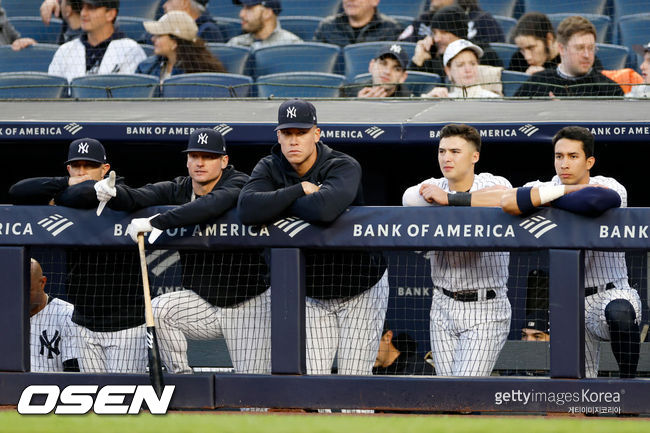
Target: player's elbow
{"points": [[411, 197], [249, 212]]}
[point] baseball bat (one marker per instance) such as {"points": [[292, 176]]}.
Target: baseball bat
{"points": [[155, 364]]}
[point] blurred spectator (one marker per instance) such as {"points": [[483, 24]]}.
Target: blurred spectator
{"points": [[177, 48], [9, 35], [482, 27], [388, 70], [643, 91], [360, 21], [209, 28], [535, 38], [461, 61], [448, 24], [100, 49], [259, 21], [398, 356], [69, 11], [575, 75]]}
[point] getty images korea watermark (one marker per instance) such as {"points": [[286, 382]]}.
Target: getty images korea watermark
{"points": [[583, 401]]}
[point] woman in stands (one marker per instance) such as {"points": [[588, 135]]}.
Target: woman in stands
{"points": [[535, 37], [177, 48], [461, 60]]}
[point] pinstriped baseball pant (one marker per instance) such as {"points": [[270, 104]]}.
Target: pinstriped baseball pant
{"points": [[122, 351]]}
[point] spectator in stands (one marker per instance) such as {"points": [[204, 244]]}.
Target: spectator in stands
{"points": [[177, 48], [9, 35], [576, 74], [70, 12], [535, 38], [209, 29], [398, 355], [461, 61], [259, 21], [388, 70], [360, 21], [101, 49], [448, 24], [643, 91]]}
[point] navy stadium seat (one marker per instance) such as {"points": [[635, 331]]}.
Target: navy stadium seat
{"points": [[114, 86], [300, 85], [231, 26], [35, 58], [633, 33], [612, 56], [233, 58], [512, 81], [566, 6], [33, 27], [505, 8], [206, 85], [139, 8], [31, 85], [411, 8], [505, 52], [630, 7], [507, 24], [133, 28], [403, 20], [417, 82], [358, 56], [223, 8], [24, 8], [314, 8], [298, 57], [301, 26], [601, 22]]}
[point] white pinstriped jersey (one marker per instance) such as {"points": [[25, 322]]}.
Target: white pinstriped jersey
{"points": [[601, 267], [464, 270], [53, 337]]}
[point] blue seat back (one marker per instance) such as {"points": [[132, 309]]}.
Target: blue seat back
{"points": [[505, 52], [411, 8], [358, 56], [223, 8], [506, 24], [139, 8], [31, 85], [133, 28], [633, 33], [300, 85], [303, 27], [298, 57], [505, 8], [22, 8], [612, 56], [114, 86], [33, 27], [233, 58], [564, 6], [512, 81], [35, 58], [206, 85], [314, 8], [230, 26]]}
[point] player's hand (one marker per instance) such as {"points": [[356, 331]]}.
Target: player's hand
{"points": [[105, 190], [139, 225], [434, 194], [21, 43], [422, 50], [73, 180], [49, 8], [437, 92], [372, 92], [309, 188]]}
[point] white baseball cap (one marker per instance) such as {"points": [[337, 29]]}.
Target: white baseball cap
{"points": [[456, 47], [177, 23]]}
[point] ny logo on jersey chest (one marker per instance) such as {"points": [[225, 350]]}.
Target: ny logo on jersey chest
{"points": [[52, 345]]}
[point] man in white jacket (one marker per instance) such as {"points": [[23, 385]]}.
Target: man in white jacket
{"points": [[101, 49]]}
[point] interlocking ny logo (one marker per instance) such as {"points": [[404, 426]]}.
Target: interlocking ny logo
{"points": [[537, 226], [83, 148], [529, 129], [52, 345], [73, 128], [203, 138], [55, 224], [291, 225], [223, 129], [396, 48], [291, 112], [374, 131]]}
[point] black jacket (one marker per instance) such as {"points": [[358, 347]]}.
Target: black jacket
{"points": [[482, 28], [336, 30], [434, 65], [548, 80], [274, 190], [407, 364]]}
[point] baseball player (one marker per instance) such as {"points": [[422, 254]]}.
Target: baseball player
{"points": [[347, 291], [470, 311], [226, 294], [102, 284], [53, 337], [612, 307]]}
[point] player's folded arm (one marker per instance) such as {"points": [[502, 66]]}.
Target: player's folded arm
{"points": [[592, 201], [131, 199], [412, 197], [81, 196], [37, 190], [260, 201]]}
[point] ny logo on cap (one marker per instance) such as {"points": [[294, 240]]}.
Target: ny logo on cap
{"points": [[396, 48], [291, 112], [203, 138], [83, 148]]}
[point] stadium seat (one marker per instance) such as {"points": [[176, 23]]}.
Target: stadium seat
{"points": [[504, 8], [507, 24], [512, 81], [22, 8], [133, 28], [206, 85], [300, 85], [299, 57], [403, 20], [358, 56], [505, 52], [417, 82], [633, 30], [601, 22], [303, 27], [139, 8], [627, 7], [31, 85], [233, 58], [612, 56], [411, 8], [313, 8], [114, 86], [223, 8], [35, 58], [33, 27], [148, 49], [566, 6], [231, 26]]}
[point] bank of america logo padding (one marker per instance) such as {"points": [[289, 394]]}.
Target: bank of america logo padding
{"points": [[73, 128], [291, 226], [55, 224], [529, 129], [537, 226], [222, 129], [374, 131]]}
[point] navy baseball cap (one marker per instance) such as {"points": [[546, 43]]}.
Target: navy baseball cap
{"points": [[109, 4], [206, 140], [296, 113], [395, 50], [86, 149], [271, 4]]}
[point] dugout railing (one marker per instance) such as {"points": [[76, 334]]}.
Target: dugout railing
{"points": [[564, 235]]}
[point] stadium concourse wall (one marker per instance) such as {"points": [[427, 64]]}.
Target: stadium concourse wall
{"points": [[384, 228]]}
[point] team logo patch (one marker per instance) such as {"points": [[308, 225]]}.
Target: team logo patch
{"points": [[203, 138], [291, 225], [396, 48], [73, 128], [83, 148], [55, 224], [374, 131], [291, 112], [537, 226], [529, 129]]}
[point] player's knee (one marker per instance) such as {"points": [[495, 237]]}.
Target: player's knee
{"points": [[620, 315]]}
